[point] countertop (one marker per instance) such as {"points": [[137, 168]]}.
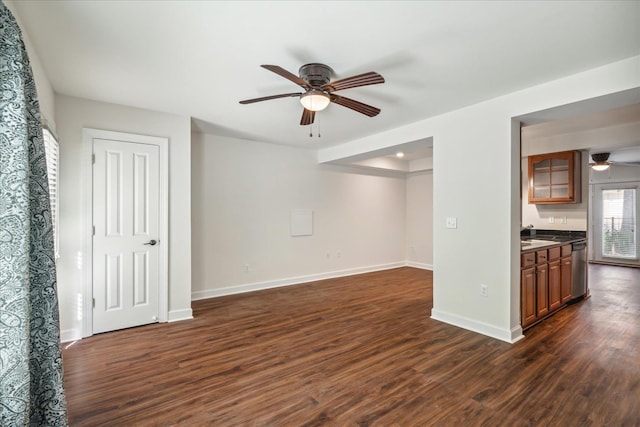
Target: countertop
{"points": [[532, 240]]}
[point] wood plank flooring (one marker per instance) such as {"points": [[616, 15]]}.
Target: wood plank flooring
{"points": [[362, 351]]}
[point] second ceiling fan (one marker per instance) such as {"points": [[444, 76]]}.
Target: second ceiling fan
{"points": [[315, 79], [601, 162]]}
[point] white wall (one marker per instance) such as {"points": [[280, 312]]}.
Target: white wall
{"points": [[419, 220], [243, 193], [476, 179], [73, 114], [615, 174]]}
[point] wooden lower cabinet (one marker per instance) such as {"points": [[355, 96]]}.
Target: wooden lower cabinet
{"points": [[542, 290], [555, 292], [545, 283], [528, 295]]}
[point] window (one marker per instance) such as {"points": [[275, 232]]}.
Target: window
{"points": [[51, 152]]}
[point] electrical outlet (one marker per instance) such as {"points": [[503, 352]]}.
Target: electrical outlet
{"points": [[246, 268], [339, 254], [484, 290], [452, 222], [563, 220], [551, 220]]}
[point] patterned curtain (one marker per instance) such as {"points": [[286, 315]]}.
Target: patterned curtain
{"points": [[31, 388]]}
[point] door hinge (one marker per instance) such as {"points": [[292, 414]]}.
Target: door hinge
{"points": [[93, 303], [94, 230], [93, 158]]}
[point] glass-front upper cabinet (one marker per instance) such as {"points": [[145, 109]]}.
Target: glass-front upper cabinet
{"points": [[554, 178]]}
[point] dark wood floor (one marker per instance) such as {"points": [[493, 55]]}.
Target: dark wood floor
{"points": [[362, 350]]}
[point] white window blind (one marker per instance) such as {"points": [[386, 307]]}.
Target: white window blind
{"points": [[619, 223], [52, 152]]}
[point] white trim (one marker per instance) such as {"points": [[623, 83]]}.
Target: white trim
{"points": [[492, 331], [516, 334], [419, 265], [70, 335], [87, 233], [177, 315], [250, 287], [88, 136]]}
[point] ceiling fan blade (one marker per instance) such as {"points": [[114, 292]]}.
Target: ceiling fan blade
{"points": [[287, 75], [266, 98], [358, 106], [307, 117], [627, 163], [370, 78]]}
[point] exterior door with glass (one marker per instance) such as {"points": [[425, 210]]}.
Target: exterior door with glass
{"points": [[616, 208]]}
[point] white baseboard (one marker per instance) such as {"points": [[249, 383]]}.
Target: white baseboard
{"points": [[68, 335], [177, 315], [250, 287], [419, 265], [516, 334], [492, 331]]}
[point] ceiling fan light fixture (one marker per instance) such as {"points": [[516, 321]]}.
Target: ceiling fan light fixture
{"points": [[315, 100], [601, 161]]}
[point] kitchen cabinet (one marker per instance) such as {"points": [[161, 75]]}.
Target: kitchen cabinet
{"points": [[545, 282], [555, 292], [528, 295], [555, 278], [533, 286], [554, 178], [542, 290]]}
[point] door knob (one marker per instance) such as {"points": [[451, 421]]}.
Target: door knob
{"points": [[151, 243]]}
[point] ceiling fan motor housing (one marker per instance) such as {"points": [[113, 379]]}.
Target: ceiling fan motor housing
{"points": [[600, 157], [316, 74]]}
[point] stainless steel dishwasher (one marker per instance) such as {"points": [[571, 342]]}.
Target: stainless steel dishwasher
{"points": [[579, 268]]}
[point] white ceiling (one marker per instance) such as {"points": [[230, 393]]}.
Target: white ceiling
{"points": [[199, 58]]}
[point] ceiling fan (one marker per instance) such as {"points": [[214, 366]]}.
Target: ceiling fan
{"points": [[319, 90], [601, 162]]}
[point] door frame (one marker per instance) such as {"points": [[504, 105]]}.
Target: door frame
{"points": [[85, 305], [596, 201]]}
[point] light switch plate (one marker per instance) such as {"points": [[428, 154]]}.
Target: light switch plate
{"points": [[452, 222]]}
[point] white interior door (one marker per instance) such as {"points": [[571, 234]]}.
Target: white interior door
{"points": [[126, 197]]}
